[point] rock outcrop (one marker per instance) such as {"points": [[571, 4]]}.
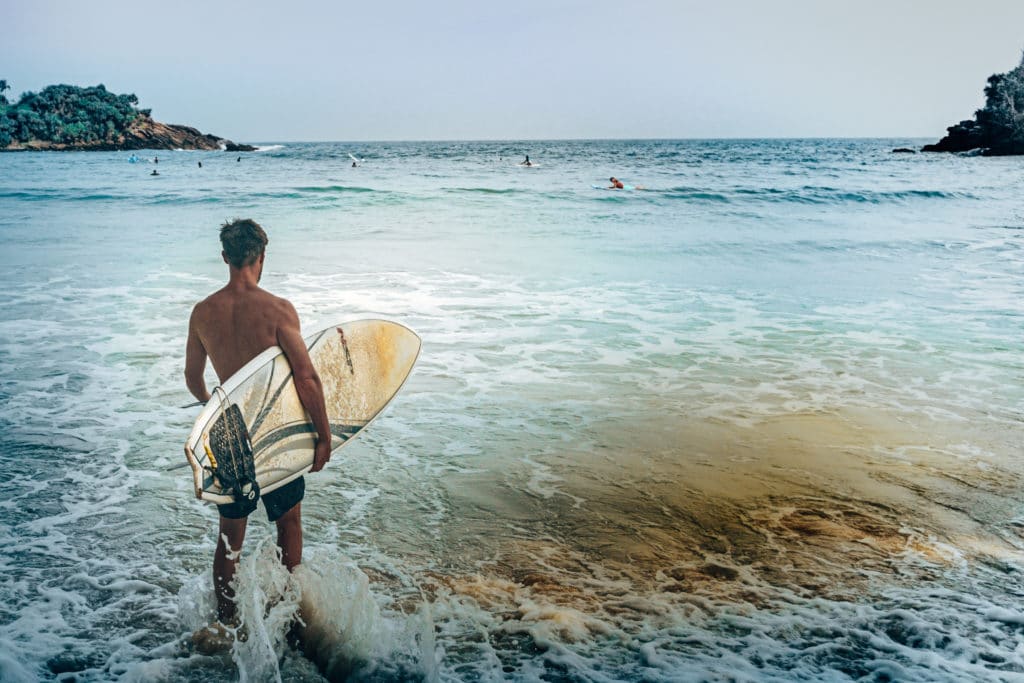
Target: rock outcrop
{"points": [[997, 129], [143, 133], [69, 117]]}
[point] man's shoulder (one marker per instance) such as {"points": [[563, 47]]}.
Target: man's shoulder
{"points": [[225, 295], [205, 305], [277, 303], [274, 308], [271, 305]]}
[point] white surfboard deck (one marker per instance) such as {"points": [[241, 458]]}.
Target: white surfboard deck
{"points": [[362, 365]]}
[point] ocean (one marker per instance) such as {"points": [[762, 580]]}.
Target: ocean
{"points": [[758, 421]]}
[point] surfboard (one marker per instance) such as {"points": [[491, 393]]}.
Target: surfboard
{"points": [[624, 187], [362, 365]]}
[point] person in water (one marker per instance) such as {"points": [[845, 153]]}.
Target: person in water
{"points": [[231, 327], [154, 172], [617, 184], [527, 162], [200, 164]]}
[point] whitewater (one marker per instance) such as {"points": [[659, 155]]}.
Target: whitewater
{"points": [[759, 421]]}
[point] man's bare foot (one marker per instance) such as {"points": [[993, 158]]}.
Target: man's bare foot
{"points": [[216, 638]]}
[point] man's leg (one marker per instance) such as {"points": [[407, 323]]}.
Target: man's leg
{"points": [[225, 560], [289, 537], [289, 540]]}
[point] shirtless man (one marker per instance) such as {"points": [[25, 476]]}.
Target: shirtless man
{"points": [[232, 326]]}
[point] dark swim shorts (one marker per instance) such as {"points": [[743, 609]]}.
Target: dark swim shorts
{"points": [[277, 502]]}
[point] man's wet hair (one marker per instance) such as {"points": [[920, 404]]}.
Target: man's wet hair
{"points": [[243, 241]]}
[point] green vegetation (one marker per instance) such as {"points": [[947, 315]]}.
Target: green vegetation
{"points": [[67, 114], [998, 127], [1003, 114]]}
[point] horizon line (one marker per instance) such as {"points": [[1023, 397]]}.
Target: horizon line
{"points": [[586, 139]]}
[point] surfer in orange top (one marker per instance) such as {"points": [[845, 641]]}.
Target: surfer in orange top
{"points": [[231, 327], [617, 184]]}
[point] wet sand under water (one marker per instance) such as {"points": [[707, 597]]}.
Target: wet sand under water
{"points": [[816, 504], [801, 546]]}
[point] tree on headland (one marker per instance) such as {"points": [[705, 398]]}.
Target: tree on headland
{"points": [[5, 125], [998, 127], [66, 117], [67, 114]]}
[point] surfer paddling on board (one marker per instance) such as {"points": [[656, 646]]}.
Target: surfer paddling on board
{"points": [[231, 327], [617, 184]]}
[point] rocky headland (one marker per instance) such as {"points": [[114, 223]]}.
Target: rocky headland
{"points": [[997, 129], [66, 117]]}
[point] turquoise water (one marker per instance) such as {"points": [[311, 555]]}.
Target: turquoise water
{"points": [[758, 421]]}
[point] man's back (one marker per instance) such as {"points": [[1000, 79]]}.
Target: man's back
{"points": [[236, 324], [231, 327]]}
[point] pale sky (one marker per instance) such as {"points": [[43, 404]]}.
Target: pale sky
{"points": [[263, 71]]}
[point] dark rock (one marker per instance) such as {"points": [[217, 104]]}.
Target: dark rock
{"points": [[904, 150], [143, 133], [961, 137], [1005, 149], [718, 571], [237, 147]]}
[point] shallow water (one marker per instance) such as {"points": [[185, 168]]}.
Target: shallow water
{"points": [[760, 421]]}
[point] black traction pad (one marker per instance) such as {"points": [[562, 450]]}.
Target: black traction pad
{"points": [[235, 470]]}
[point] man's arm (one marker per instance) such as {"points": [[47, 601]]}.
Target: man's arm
{"points": [[195, 362], [307, 383]]}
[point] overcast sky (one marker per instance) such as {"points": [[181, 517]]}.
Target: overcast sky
{"points": [[263, 71]]}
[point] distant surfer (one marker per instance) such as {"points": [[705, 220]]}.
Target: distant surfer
{"points": [[353, 164], [232, 326], [200, 164], [156, 160], [155, 172], [239, 159], [527, 162], [617, 184]]}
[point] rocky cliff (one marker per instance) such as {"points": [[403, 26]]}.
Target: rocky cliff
{"points": [[143, 133], [997, 129]]}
